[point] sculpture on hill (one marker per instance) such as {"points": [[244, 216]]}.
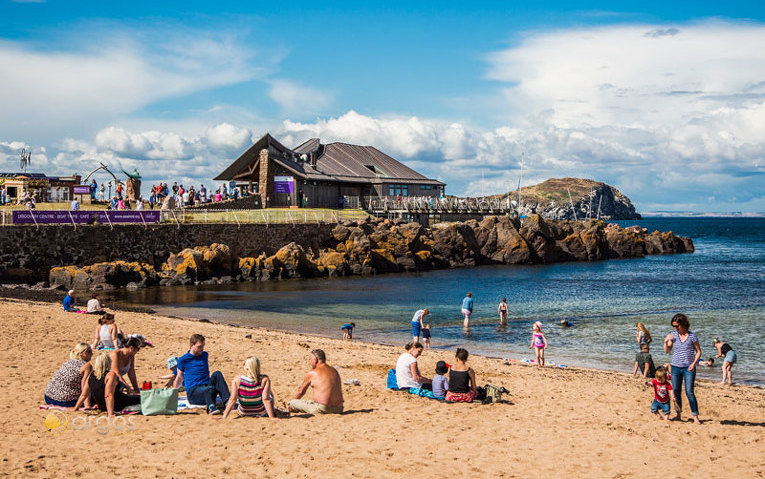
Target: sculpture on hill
{"points": [[133, 185]]}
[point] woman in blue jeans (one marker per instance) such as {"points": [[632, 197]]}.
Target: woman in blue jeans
{"points": [[686, 352]]}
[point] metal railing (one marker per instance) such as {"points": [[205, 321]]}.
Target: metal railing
{"points": [[429, 204], [262, 216]]}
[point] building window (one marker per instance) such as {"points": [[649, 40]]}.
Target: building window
{"points": [[395, 190]]}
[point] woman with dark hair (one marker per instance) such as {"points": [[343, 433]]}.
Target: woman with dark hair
{"points": [[461, 379], [102, 384], [686, 352], [123, 362]]}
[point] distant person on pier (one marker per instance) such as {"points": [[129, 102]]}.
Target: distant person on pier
{"points": [[467, 308], [75, 205]]}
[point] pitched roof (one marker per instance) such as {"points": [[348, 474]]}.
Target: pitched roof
{"points": [[334, 162]]}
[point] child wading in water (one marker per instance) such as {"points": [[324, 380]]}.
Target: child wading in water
{"points": [[426, 336], [662, 394], [539, 343], [348, 331]]}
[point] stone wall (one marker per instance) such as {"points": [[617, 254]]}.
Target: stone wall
{"points": [[27, 254]]}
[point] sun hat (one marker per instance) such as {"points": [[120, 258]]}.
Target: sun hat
{"points": [[172, 362]]}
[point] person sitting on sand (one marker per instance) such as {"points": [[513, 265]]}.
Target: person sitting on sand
{"points": [[172, 365], [407, 372], [123, 362], [347, 330], [644, 363], [251, 394], [68, 382], [642, 335], [440, 383], [103, 386], [94, 305], [462, 386], [106, 333], [724, 350], [662, 394], [327, 388], [69, 302], [194, 374]]}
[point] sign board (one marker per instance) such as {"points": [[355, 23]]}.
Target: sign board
{"points": [[81, 190], [284, 184], [84, 217]]}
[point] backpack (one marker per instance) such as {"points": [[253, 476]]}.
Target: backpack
{"points": [[494, 393]]}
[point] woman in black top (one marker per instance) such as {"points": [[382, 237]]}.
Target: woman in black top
{"points": [[104, 388], [461, 379], [725, 351]]}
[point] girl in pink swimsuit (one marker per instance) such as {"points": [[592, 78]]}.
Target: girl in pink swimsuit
{"points": [[539, 343]]}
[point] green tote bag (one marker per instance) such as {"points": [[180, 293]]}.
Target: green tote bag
{"points": [[159, 401]]}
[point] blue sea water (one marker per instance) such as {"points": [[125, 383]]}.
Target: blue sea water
{"points": [[721, 287]]}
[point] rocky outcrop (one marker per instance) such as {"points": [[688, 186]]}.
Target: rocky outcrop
{"points": [[101, 276], [591, 199], [383, 246]]}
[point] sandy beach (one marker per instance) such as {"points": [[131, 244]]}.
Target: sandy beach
{"points": [[558, 422]]}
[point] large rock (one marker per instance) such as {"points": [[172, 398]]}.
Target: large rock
{"points": [[110, 275], [455, 244], [294, 262], [199, 264]]}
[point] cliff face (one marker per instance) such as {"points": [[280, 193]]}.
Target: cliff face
{"points": [[376, 246], [550, 200]]}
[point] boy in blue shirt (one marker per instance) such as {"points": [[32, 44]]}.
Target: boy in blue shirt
{"points": [[348, 331]]}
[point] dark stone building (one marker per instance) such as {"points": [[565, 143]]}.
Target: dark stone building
{"points": [[324, 175]]}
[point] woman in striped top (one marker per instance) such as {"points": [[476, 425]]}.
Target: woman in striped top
{"points": [[251, 394], [686, 352]]}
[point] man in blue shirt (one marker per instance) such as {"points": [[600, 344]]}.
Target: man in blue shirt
{"points": [[69, 301], [194, 375], [467, 308]]}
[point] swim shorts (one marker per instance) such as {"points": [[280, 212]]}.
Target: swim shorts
{"points": [[312, 407]]}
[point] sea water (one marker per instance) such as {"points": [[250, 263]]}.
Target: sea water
{"points": [[721, 287]]}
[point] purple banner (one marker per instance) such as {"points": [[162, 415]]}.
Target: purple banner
{"points": [[84, 217], [284, 184], [81, 190]]}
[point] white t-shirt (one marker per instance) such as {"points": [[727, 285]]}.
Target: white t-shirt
{"points": [[404, 377], [94, 305], [417, 315]]}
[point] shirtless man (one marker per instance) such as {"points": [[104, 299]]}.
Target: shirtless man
{"points": [[327, 389]]}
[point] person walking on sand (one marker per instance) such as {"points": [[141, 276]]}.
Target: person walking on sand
{"points": [[503, 309], [686, 352], [467, 308], [417, 323], [327, 388], [724, 350], [539, 343]]}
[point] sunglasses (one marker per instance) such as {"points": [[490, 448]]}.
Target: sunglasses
{"points": [[675, 326]]}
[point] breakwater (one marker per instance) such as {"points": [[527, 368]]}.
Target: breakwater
{"points": [[363, 247]]}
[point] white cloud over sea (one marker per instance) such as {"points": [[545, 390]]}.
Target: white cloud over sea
{"points": [[672, 115]]}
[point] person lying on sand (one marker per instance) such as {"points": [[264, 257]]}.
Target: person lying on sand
{"points": [[327, 388]]}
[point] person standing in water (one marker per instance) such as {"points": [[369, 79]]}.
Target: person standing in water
{"points": [[467, 308], [503, 309]]}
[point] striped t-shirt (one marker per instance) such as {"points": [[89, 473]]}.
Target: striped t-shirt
{"points": [[683, 353], [251, 397]]}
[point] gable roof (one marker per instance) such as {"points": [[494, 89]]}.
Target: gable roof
{"points": [[334, 162]]}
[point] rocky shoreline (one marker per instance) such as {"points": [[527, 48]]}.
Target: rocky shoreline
{"points": [[375, 246]]}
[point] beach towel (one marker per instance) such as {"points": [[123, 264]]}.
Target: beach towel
{"points": [[423, 393], [392, 383]]}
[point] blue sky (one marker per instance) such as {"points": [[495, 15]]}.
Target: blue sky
{"points": [[664, 101]]}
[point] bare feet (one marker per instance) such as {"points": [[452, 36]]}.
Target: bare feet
{"points": [[696, 420]]}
